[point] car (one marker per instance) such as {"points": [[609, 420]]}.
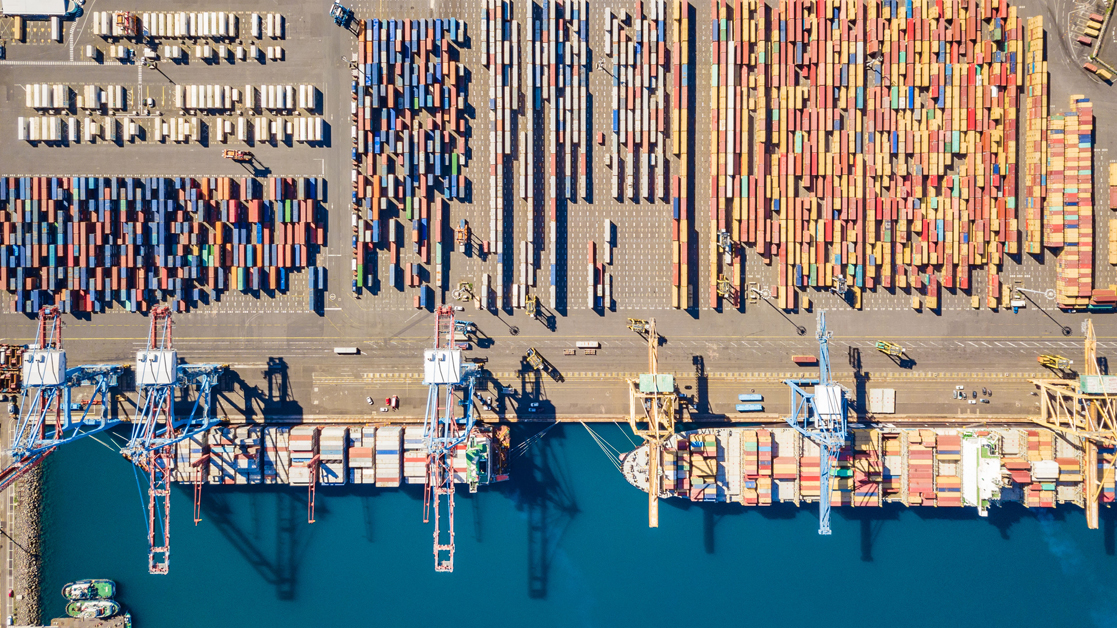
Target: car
{"points": [[984, 401], [959, 388], [973, 402], [508, 390], [534, 404], [458, 308], [383, 409], [975, 394], [533, 409]]}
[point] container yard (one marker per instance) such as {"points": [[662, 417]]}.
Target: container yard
{"points": [[365, 222]]}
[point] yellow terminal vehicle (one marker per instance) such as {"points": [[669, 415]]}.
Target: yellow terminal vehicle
{"points": [[637, 325], [1055, 362], [533, 359], [889, 348]]}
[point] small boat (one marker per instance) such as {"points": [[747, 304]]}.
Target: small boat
{"points": [[92, 609], [127, 620], [96, 589]]}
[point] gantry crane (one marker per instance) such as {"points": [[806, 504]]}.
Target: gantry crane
{"points": [[1086, 407], [821, 416], [443, 374], [48, 416], [156, 428], [651, 414]]}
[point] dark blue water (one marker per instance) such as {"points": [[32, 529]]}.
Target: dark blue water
{"points": [[591, 560]]}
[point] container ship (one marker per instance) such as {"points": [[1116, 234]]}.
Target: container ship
{"points": [[380, 455], [915, 467]]}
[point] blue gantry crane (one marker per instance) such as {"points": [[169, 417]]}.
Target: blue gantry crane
{"points": [[444, 373], [341, 14], [821, 416], [49, 417], [156, 428]]}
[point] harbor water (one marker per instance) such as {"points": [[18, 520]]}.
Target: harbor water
{"points": [[564, 543]]}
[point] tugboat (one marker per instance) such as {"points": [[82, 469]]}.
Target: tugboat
{"points": [[92, 609], [96, 589]]}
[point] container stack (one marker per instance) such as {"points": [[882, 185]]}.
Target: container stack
{"points": [[948, 460], [502, 57], [222, 456], [593, 282], [214, 25], [841, 479], [682, 208], [730, 172], [276, 463], [189, 456], [810, 472], [1107, 457], [892, 446], [303, 444], [921, 468], [703, 467], [83, 243], [1070, 194], [1113, 206], [389, 461], [409, 139], [362, 449], [867, 468], [1035, 143], [246, 456], [414, 455], [333, 444]]}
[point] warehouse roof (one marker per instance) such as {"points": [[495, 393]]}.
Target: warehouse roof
{"points": [[33, 7]]}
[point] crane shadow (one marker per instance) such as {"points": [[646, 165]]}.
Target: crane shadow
{"points": [[278, 567], [543, 491]]}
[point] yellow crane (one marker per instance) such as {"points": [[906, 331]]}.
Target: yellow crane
{"points": [[638, 325], [652, 407], [889, 348], [1085, 407], [1055, 362]]}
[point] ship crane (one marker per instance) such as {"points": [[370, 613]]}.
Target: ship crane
{"points": [[48, 416], [821, 416], [652, 407], [443, 432], [1084, 407], [156, 428]]}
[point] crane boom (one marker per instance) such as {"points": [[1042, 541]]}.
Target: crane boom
{"points": [[48, 415], [821, 416], [443, 432], [156, 428]]}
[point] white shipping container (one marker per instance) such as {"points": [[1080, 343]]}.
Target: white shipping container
{"points": [[21, 129], [72, 130], [256, 25]]}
